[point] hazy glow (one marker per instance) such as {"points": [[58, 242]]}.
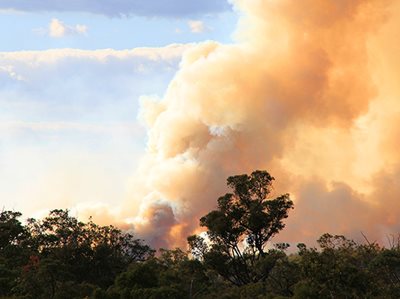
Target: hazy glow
{"points": [[310, 94], [309, 91]]}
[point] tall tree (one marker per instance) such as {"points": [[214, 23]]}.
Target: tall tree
{"points": [[239, 229]]}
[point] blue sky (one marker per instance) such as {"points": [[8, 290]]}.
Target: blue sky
{"points": [[71, 77], [30, 31]]}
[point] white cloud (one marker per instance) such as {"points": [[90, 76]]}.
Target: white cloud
{"points": [[56, 88], [9, 71], [197, 26], [67, 111], [37, 58], [58, 29]]}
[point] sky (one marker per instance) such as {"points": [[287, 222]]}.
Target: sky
{"points": [[135, 113], [71, 77]]}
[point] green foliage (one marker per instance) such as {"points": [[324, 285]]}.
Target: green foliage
{"points": [[171, 275], [240, 228], [14, 250], [344, 269], [60, 257]]}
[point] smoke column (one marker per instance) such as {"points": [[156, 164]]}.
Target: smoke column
{"points": [[310, 92]]}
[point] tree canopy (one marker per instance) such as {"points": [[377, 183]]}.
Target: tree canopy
{"points": [[241, 226], [44, 257], [60, 257]]}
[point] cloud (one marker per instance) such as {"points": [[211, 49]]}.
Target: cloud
{"points": [[197, 26], [68, 122], [310, 95], [39, 58], [40, 79], [74, 85], [175, 8], [58, 29], [337, 209], [155, 213]]}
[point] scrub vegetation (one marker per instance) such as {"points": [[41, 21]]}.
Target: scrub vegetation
{"points": [[62, 257]]}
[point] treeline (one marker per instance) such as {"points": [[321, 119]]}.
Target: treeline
{"points": [[61, 257]]}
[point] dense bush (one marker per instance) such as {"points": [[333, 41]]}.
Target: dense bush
{"points": [[60, 257]]}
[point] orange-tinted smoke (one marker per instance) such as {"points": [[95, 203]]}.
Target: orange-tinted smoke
{"points": [[310, 92]]}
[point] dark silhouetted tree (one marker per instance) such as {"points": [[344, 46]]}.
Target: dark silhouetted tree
{"points": [[239, 229]]}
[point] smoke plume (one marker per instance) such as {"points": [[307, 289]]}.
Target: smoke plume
{"points": [[309, 91]]}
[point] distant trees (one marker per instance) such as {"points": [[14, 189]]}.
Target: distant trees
{"points": [[239, 229], [60, 257], [44, 258]]}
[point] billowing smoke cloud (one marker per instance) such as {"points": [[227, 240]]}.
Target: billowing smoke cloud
{"points": [[309, 92]]}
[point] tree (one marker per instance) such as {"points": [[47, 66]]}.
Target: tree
{"points": [[12, 232], [239, 229], [172, 274], [339, 270], [79, 255], [14, 249]]}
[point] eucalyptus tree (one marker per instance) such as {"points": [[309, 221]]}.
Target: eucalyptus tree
{"points": [[240, 228]]}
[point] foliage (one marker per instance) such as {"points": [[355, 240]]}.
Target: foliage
{"points": [[60, 257], [240, 228], [44, 258]]}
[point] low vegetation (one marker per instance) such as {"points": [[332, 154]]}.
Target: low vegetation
{"points": [[61, 257]]}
